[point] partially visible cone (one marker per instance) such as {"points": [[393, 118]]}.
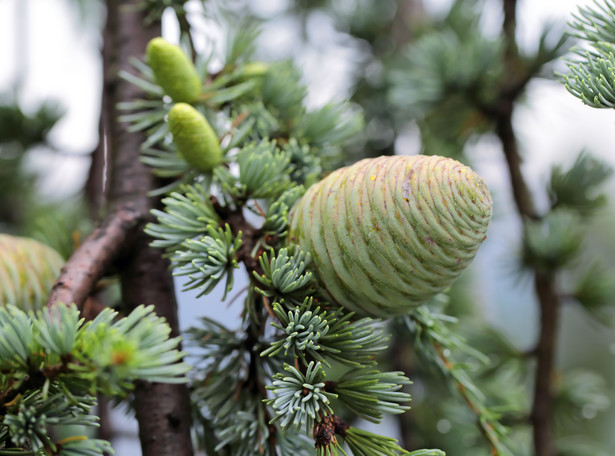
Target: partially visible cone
{"points": [[28, 270], [389, 233], [173, 70]]}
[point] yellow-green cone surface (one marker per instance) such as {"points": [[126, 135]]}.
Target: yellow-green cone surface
{"points": [[173, 70], [28, 270], [194, 138], [389, 233]]}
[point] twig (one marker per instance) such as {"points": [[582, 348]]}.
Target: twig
{"points": [[91, 259], [485, 427], [184, 28], [521, 193]]}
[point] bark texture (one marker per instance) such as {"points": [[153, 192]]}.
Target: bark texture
{"points": [[545, 364], [91, 260], [163, 410]]}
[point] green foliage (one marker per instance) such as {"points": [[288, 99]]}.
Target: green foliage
{"points": [[25, 424], [285, 276], [107, 354], [364, 443], [276, 220], [333, 123], [61, 226], [594, 290], [21, 131], [591, 74], [580, 395], [552, 242], [52, 363], [208, 260], [299, 398], [283, 92], [240, 42], [436, 342], [186, 215], [369, 393], [441, 63], [263, 170], [25, 130], [578, 187], [313, 333]]}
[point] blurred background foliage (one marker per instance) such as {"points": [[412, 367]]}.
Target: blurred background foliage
{"points": [[449, 83]]}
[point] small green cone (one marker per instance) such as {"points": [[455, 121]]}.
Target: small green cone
{"points": [[173, 70], [254, 70], [194, 138], [389, 233], [28, 270]]}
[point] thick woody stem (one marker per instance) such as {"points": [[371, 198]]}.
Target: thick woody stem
{"points": [[545, 360], [162, 410]]}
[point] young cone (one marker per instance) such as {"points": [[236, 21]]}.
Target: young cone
{"points": [[194, 138], [389, 233], [28, 269], [173, 70]]}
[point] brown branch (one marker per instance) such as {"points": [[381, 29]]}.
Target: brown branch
{"points": [[162, 410], [92, 258], [249, 235], [509, 26], [521, 194], [545, 351], [547, 296], [401, 355], [544, 283]]}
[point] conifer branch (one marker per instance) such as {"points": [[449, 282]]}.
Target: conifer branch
{"points": [[92, 258], [436, 342], [548, 298]]}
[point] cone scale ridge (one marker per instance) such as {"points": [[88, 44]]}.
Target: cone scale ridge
{"points": [[388, 234]]}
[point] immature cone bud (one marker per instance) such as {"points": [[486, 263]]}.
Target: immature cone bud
{"points": [[28, 270], [173, 71], [194, 138], [389, 233]]}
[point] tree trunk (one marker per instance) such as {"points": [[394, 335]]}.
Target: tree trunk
{"points": [[163, 410]]}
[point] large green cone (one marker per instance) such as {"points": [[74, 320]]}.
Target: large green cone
{"points": [[28, 270], [389, 233]]}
